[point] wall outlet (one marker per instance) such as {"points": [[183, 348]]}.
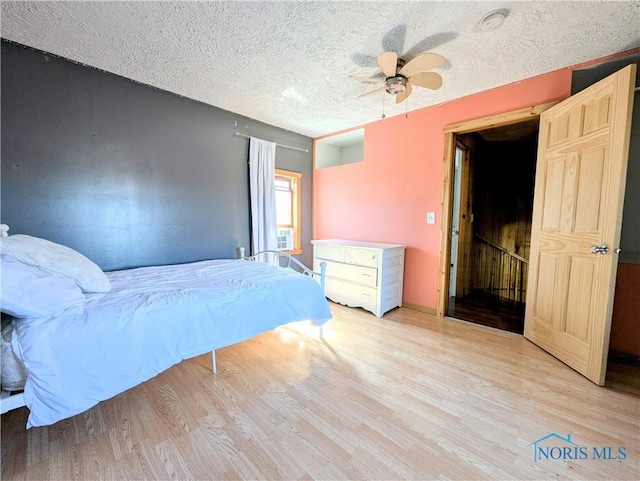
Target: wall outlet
{"points": [[431, 217]]}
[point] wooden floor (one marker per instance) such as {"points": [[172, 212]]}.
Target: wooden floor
{"points": [[408, 396], [483, 308]]}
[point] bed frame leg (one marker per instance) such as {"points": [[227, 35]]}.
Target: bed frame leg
{"points": [[214, 367]]}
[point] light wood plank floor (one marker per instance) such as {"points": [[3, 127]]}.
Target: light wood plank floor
{"points": [[408, 396]]}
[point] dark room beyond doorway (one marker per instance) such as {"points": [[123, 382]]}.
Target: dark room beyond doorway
{"points": [[491, 228]]}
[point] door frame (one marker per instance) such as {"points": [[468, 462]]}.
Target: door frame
{"points": [[450, 133]]}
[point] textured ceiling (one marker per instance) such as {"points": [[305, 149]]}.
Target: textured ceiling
{"points": [[286, 63]]}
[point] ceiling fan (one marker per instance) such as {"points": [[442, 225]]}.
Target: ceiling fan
{"points": [[400, 76]]}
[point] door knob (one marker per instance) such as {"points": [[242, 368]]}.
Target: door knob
{"points": [[603, 249]]}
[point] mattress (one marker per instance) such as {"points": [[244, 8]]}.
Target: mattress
{"points": [[153, 318]]}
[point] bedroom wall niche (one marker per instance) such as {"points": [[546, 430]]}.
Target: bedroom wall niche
{"points": [[127, 174], [340, 149]]}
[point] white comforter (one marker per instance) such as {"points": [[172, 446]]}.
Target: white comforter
{"points": [[153, 318]]}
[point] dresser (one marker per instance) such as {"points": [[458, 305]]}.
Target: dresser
{"points": [[361, 274]]}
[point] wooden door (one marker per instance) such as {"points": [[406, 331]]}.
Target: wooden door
{"points": [[580, 180]]}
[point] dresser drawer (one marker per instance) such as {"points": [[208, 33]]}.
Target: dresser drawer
{"points": [[353, 295], [330, 253], [362, 275], [362, 257]]}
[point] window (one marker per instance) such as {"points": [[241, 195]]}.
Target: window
{"points": [[288, 210]]}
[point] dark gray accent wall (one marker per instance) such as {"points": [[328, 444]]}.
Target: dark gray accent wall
{"points": [[127, 174], [630, 236]]}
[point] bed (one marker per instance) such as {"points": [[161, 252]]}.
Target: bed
{"points": [[149, 319]]}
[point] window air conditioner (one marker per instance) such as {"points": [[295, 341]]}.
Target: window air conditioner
{"points": [[285, 239]]}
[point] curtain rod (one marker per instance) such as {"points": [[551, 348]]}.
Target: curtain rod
{"points": [[238, 134]]}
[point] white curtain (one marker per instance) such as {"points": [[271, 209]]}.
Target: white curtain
{"points": [[262, 164]]}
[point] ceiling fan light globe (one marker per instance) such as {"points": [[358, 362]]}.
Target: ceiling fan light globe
{"points": [[396, 85], [396, 89]]}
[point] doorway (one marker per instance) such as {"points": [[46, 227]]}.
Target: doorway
{"points": [[581, 165], [494, 171], [484, 247]]}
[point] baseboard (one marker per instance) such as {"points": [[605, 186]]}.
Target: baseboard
{"points": [[625, 357], [416, 307]]}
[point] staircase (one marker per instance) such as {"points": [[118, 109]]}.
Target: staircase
{"points": [[499, 272]]}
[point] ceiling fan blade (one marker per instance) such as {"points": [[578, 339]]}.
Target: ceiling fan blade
{"points": [[422, 63], [366, 79], [402, 96], [388, 61], [428, 80], [381, 89]]}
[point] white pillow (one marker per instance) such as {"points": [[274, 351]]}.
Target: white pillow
{"points": [[56, 259], [29, 292]]}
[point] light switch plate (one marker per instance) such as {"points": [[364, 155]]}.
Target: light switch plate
{"points": [[431, 217]]}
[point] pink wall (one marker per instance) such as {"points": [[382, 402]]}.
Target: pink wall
{"points": [[386, 197]]}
